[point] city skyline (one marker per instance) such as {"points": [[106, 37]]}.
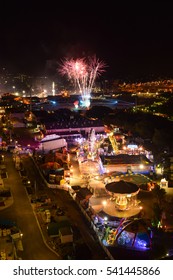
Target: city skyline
{"points": [[133, 42]]}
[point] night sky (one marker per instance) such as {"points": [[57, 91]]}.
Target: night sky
{"points": [[135, 41]]}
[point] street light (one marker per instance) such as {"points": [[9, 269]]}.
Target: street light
{"points": [[13, 88], [105, 220], [104, 202]]}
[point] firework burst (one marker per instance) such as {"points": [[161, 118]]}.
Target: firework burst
{"points": [[83, 73]]}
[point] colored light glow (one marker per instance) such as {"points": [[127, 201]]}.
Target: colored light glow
{"points": [[127, 239], [83, 73], [132, 146]]}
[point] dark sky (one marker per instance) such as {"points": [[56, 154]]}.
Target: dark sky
{"points": [[134, 40]]}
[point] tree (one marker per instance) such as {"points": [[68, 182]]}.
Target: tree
{"points": [[157, 214], [159, 195], [144, 129], [159, 204], [98, 112]]}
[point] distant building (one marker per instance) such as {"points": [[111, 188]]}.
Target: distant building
{"points": [[128, 163]]}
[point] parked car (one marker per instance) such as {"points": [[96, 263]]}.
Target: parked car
{"points": [[23, 172], [26, 181]]}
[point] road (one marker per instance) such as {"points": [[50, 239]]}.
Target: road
{"points": [[22, 213]]}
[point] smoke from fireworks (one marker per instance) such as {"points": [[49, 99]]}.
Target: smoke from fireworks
{"points": [[83, 73]]}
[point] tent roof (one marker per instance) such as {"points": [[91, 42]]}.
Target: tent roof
{"points": [[122, 187], [83, 193], [137, 226], [53, 229], [66, 230], [127, 159]]}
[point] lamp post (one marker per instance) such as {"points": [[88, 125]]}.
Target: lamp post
{"points": [[35, 188], [105, 220]]}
